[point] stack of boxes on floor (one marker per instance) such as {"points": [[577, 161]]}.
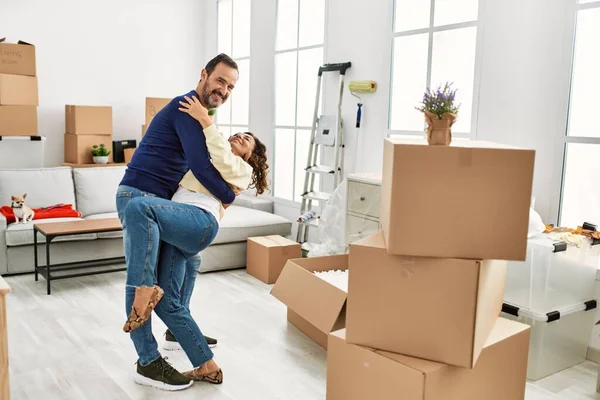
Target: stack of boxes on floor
{"points": [[18, 89], [425, 293], [86, 126], [153, 106]]}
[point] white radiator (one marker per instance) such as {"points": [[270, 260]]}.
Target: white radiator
{"points": [[22, 151]]}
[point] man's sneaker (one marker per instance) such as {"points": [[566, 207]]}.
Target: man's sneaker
{"points": [[161, 375], [172, 344]]}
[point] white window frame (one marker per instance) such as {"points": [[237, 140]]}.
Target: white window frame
{"points": [[557, 201], [430, 30], [235, 127], [297, 50]]}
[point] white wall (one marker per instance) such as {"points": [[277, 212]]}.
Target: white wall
{"points": [[107, 53]]}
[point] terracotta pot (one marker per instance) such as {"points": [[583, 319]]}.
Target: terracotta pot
{"points": [[439, 132]]}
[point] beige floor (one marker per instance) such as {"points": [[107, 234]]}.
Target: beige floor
{"points": [[69, 345]]}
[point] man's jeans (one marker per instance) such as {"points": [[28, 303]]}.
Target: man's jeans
{"points": [[178, 232]]}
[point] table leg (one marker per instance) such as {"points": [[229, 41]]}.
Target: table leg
{"points": [[35, 253], [48, 264]]}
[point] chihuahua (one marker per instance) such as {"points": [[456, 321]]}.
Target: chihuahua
{"points": [[20, 209]]}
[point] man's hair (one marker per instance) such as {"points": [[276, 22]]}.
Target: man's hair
{"points": [[221, 58]]}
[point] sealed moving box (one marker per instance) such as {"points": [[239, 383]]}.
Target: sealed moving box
{"points": [[360, 373], [89, 120], [467, 200], [78, 148], [17, 59], [267, 255], [315, 306], [432, 308], [18, 120], [18, 90], [153, 106]]}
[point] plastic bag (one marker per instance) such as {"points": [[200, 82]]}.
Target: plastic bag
{"points": [[332, 226]]}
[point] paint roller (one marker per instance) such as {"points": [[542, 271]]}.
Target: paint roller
{"points": [[361, 87]]}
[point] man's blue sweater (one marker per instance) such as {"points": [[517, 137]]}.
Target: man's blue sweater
{"points": [[173, 144]]}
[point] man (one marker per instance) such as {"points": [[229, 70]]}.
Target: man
{"points": [[169, 149]]}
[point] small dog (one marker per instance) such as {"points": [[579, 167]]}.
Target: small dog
{"points": [[20, 209]]}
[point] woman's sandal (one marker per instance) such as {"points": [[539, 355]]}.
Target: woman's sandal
{"points": [[197, 375], [146, 299]]}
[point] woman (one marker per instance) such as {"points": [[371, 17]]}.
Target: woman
{"points": [[242, 163]]}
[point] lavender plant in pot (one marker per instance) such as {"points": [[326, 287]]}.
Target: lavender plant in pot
{"points": [[440, 113]]}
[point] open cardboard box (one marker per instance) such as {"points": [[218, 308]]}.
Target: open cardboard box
{"points": [[358, 373], [315, 306]]}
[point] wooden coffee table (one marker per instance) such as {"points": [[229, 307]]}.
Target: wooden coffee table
{"points": [[52, 230]]}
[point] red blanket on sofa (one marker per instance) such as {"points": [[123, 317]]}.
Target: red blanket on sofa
{"points": [[56, 211]]}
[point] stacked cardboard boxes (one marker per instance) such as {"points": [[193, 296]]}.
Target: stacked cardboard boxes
{"points": [[153, 106], [86, 126], [18, 89], [425, 294]]}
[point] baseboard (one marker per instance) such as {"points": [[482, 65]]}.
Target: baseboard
{"points": [[593, 354]]}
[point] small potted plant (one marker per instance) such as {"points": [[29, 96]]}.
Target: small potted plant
{"points": [[440, 114], [100, 154]]}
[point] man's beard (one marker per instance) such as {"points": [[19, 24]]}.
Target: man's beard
{"points": [[207, 100]]}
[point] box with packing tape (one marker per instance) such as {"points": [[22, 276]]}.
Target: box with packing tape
{"points": [[267, 255], [432, 308], [467, 200], [359, 373], [17, 58], [315, 306]]}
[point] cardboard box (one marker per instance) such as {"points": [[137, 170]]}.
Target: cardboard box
{"points": [[307, 328], [88, 120], [78, 148], [359, 373], [18, 121], [432, 308], [467, 200], [17, 59], [18, 90], [144, 128], [128, 153], [267, 255], [153, 106], [318, 303]]}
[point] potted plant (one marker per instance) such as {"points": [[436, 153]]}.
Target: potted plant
{"points": [[100, 154], [440, 114]]}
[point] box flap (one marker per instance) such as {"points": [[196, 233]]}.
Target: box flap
{"points": [[418, 364], [455, 143], [273, 241], [311, 297]]}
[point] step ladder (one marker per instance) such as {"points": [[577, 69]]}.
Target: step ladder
{"points": [[327, 131]]}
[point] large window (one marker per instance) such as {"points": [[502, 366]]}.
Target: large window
{"points": [[434, 42], [234, 40], [298, 55], [580, 200]]}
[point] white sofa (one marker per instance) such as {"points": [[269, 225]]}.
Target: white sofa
{"points": [[92, 192]]}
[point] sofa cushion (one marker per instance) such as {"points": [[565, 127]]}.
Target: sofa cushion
{"points": [[44, 186], [106, 235], [240, 223], [22, 234], [96, 188]]}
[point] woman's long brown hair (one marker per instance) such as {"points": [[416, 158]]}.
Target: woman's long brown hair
{"points": [[260, 168]]}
